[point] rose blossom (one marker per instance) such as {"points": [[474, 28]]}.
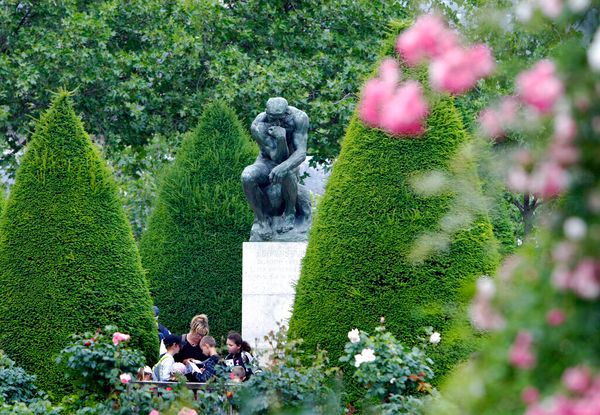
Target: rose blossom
{"points": [[119, 337], [404, 114], [378, 91], [585, 280], [539, 87], [435, 337], [549, 180], [555, 317], [187, 411], [154, 412], [574, 228], [125, 378], [520, 354], [354, 336], [530, 395], [458, 70], [428, 37], [577, 379], [494, 121]]}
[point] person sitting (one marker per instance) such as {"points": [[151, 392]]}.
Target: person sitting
{"points": [[177, 371], [238, 374], [190, 342], [239, 353], [208, 368], [144, 374], [162, 370]]}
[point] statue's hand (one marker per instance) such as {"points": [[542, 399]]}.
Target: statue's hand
{"points": [[277, 132], [277, 174]]}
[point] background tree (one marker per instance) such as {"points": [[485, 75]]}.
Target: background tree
{"points": [[193, 246], [68, 261]]}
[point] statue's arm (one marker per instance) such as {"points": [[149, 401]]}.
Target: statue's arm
{"points": [[258, 132], [300, 139]]}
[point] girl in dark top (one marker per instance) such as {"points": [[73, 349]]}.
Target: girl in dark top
{"points": [[239, 354]]}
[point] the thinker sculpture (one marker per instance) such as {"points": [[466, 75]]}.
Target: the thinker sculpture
{"points": [[281, 205]]}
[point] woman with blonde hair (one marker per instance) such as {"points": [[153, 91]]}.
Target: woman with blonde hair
{"points": [[190, 342]]}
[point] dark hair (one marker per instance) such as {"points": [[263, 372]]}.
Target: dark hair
{"points": [[171, 339], [237, 339]]}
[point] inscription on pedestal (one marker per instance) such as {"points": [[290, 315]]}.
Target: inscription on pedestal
{"points": [[270, 272]]}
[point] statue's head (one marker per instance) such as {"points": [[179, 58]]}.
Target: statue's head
{"points": [[277, 108]]}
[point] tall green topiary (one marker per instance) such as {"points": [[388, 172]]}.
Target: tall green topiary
{"points": [[357, 265], [68, 261], [193, 246]]}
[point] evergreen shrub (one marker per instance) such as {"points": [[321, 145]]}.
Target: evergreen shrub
{"points": [[357, 266], [192, 249], [68, 260]]}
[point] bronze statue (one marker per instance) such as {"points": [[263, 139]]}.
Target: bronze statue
{"points": [[281, 205]]}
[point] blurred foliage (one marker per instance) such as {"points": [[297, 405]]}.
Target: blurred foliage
{"points": [[147, 67]]}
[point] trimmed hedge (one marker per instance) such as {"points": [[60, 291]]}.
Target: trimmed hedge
{"points": [[193, 246], [68, 261], [356, 267]]}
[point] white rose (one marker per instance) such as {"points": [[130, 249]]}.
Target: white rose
{"points": [[575, 228], [435, 337], [358, 360], [368, 355], [354, 336]]}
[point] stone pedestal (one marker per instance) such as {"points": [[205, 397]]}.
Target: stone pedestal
{"points": [[270, 272]]}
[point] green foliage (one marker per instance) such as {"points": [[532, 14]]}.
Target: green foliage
{"points": [[193, 247], [357, 266], [93, 364], [286, 385], [394, 372], [68, 261], [15, 384]]}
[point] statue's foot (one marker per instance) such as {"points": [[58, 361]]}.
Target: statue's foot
{"points": [[264, 231], [288, 224]]}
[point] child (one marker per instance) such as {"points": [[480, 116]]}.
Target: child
{"points": [[238, 374], [162, 370], [145, 373], [177, 370], [239, 353], [208, 367]]}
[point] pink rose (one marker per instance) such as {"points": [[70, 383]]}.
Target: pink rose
{"points": [[577, 379], [549, 180], [120, 337], [154, 412], [405, 113], [530, 395], [555, 317], [585, 280], [520, 354], [494, 121], [378, 91], [125, 378], [428, 37], [540, 87], [458, 70], [187, 411], [518, 180]]}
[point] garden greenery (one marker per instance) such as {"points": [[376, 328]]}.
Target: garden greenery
{"points": [[192, 249], [359, 262], [68, 261]]}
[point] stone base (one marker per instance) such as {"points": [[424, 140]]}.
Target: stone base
{"points": [[269, 276], [298, 234]]}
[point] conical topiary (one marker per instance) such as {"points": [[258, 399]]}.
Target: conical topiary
{"points": [[68, 260], [193, 246], [357, 265]]}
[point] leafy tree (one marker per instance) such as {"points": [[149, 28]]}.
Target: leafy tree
{"points": [[193, 246], [68, 261], [358, 264]]}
